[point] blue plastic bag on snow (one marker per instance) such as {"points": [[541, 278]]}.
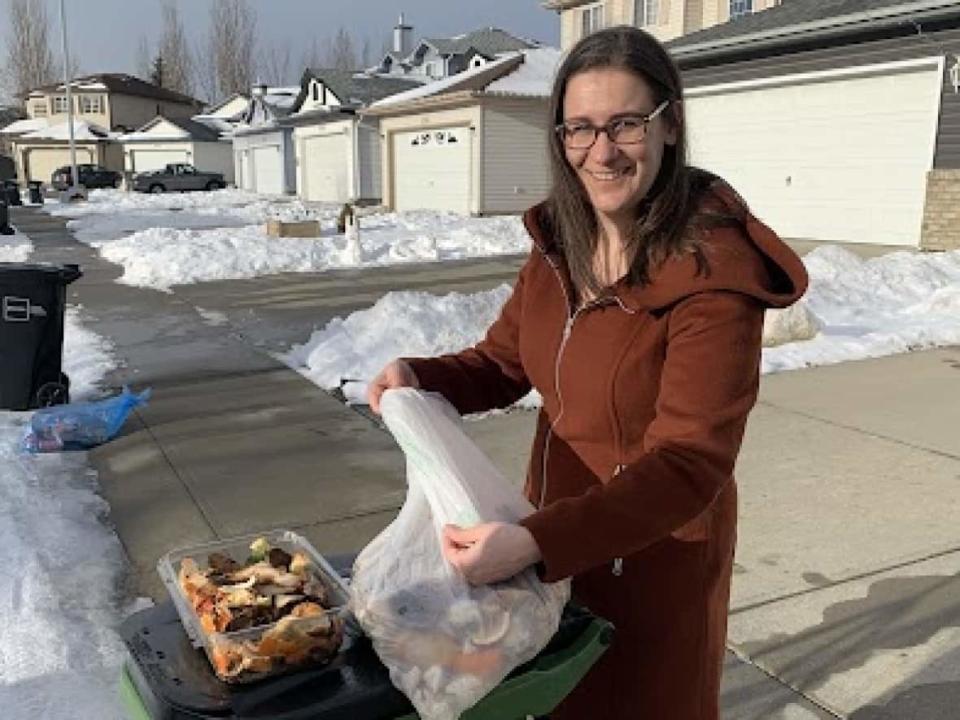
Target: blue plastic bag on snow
{"points": [[80, 426]]}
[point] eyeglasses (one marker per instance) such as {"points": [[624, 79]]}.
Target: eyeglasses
{"points": [[626, 130]]}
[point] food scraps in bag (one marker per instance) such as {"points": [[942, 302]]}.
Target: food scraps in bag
{"points": [[271, 586]]}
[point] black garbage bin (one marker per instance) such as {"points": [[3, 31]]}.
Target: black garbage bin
{"points": [[12, 192], [32, 305], [36, 196]]}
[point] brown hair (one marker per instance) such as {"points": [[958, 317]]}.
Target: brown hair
{"points": [[667, 221]]}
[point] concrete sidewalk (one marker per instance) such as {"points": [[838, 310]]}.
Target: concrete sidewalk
{"points": [[846, 598]]}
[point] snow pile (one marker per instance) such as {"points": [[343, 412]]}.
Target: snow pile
{"points": [[854, 309], [400, 324], [162, 257], [59, 656], [87, 357], [890, 304], [110, 214], [62, 591], [15, 248]]}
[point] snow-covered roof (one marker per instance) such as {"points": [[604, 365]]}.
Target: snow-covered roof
{"points": [[527, 73], [453, 83], [534, 78], [173, 129], [82, 130], [18, 127]]}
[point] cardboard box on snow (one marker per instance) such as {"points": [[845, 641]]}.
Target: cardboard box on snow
{"points": [[299, 228]]}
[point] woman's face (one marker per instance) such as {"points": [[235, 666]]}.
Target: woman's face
{"points": [[616, 177]]}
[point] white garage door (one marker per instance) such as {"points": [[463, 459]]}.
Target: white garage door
{"points": [[431, 169], [142, 159], [838, 157], [41, 162], [268, 169], [325, 160]]}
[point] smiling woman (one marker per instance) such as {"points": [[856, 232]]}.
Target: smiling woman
{"points": [[638, 318]]}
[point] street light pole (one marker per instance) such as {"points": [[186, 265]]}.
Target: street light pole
{"points": [[66, 81]]}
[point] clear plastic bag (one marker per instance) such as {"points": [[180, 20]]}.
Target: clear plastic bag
{"points": [[79, 426], [445, 642]]}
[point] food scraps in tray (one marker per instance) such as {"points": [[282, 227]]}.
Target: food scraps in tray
{"points": [[272, 588]]}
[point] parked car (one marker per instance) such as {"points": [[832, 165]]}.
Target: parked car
{"points": [[177, 177], [91, 177]]}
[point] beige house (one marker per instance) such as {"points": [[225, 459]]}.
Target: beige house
{"points": [[664, 19], [103, 106], [474, 143]]}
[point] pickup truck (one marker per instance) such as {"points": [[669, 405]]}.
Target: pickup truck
{"points": [[177, 177]]}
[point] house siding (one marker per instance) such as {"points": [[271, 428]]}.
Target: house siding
{"points": [[936, 41], [214, 157], [516, 172], [131, 112]]}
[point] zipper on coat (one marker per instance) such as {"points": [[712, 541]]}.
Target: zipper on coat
{"points": [[567, 328], [617, 569]]}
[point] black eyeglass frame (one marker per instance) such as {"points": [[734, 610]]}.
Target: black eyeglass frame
{"points": [[645, 121]]}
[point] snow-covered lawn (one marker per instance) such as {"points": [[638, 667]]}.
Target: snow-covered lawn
{"points": [[866, 308], [63, 591], [171, 239]]}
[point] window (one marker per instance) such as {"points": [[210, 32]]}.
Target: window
{"points": [[647, 12], [433, 70], [316, 92], [592, 19], [739, 8], [40, 108], [91, 104], [59, 104]]}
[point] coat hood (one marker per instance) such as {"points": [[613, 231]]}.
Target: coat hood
{"points": [[749, 259]]}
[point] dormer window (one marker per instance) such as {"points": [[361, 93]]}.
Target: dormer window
{"points": [[59, 104]]}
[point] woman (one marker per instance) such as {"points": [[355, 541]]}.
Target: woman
{"points": [[638, 317]]}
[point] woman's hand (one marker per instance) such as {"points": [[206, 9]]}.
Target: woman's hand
{"points": [[395, 374], [489, 552]]}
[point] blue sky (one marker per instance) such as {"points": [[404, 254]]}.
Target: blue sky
{"points": [[104, 34]]}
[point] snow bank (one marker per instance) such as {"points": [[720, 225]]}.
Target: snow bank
{"points": [[401, 323], [162, 257], [15, 248], [61, 592], [854, 309]]}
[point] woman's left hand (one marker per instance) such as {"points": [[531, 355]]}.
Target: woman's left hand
{"points": [[489, 552]]}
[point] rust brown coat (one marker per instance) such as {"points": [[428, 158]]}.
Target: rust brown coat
{"points": [[646, 393]]}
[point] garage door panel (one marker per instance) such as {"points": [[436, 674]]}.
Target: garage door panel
{"points": [[823, 159], [432, 170], [43, 161], [325, 170], [267, 169]]}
